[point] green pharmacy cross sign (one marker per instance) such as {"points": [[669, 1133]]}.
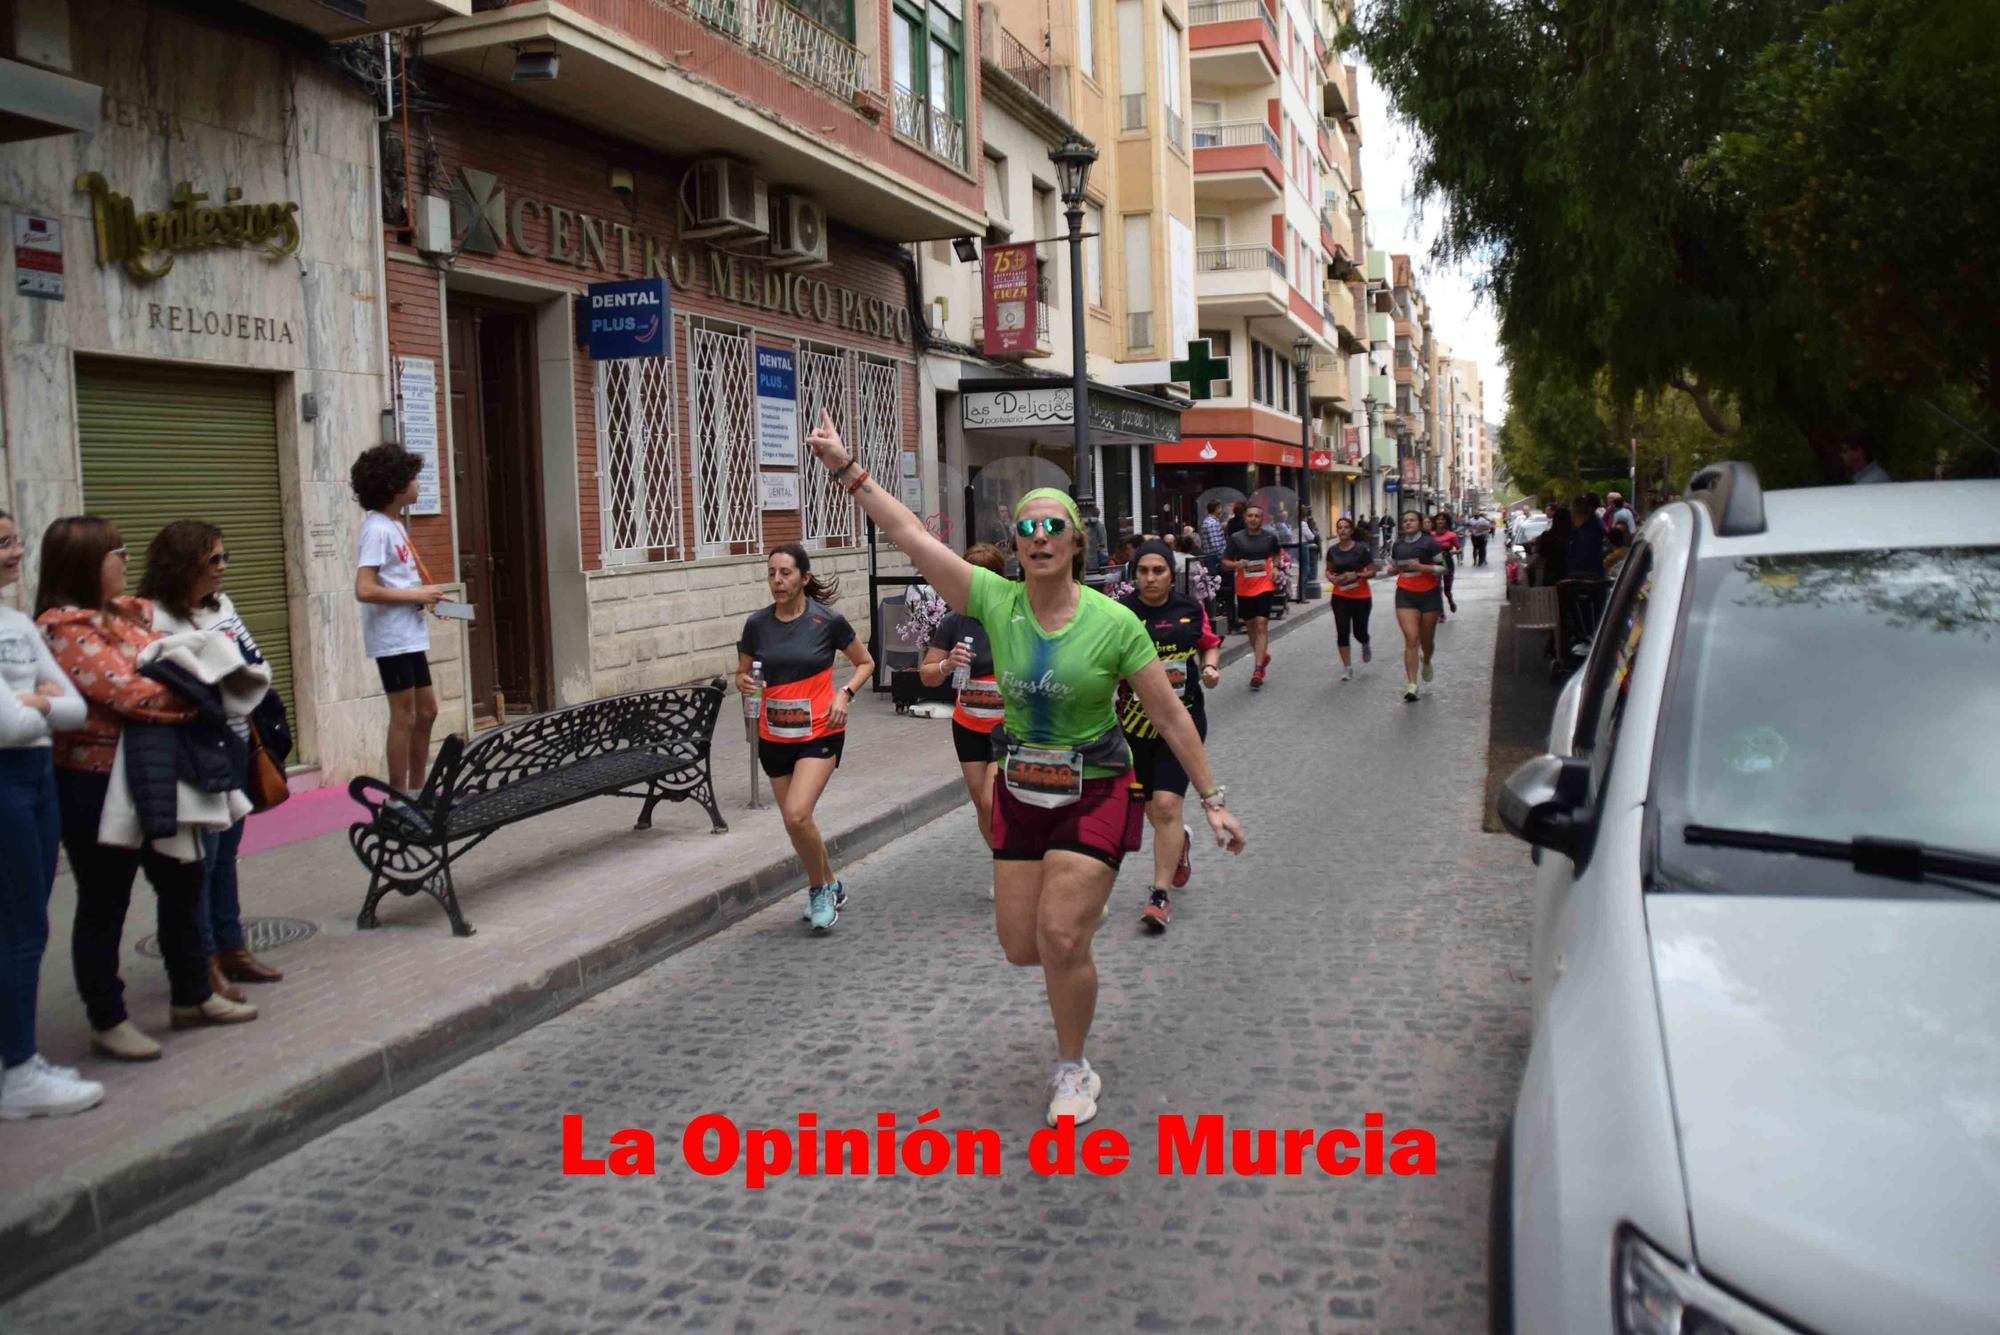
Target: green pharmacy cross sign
{"points": [[1200, 370]]}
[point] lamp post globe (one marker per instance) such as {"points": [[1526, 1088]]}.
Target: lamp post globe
{"points": [[1073, 158]]}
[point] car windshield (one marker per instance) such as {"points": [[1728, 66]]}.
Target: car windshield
{"points": [[1533, 528], [1833, 696]]}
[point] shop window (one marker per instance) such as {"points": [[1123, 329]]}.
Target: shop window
{"points": [[637, 446], [826, 516], [722, 408]]}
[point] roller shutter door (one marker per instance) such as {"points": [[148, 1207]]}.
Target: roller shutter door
{"points": [[167, 443]]}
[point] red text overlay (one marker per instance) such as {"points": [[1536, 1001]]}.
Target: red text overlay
{"points": [[1205, 1145]]}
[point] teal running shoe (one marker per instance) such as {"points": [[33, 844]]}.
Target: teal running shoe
{"points": [[821, 913]]}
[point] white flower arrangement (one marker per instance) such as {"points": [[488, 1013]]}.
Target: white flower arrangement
{"points": [[921, 618]]}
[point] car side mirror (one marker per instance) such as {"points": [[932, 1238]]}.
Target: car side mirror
{"points": [[1543, 802]]}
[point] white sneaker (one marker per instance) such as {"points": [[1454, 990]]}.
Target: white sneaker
{"points": [[1346, 673], [37, 1089], [1073, 1092]]}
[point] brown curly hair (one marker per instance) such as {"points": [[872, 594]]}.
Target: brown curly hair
{"points": [[381, 474], [176, 560]]}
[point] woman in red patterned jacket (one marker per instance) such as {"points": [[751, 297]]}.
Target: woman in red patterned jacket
{"points": [[95, 634]]}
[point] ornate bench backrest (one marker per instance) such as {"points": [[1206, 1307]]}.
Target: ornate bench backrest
{"points": [[516, 752]]}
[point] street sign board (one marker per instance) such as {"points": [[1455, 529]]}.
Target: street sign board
{"points": [[628, 319], [1007, 295]]}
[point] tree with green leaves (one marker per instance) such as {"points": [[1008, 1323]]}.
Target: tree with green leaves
{"points": [[1611, 165]]}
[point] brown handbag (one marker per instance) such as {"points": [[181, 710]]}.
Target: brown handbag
{"points": [[267, 786]]}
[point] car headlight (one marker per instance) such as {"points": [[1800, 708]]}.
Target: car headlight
{"points": [[1657, 1295]]}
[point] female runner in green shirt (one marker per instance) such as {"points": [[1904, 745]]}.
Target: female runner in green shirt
{"points": [[1064, 813]]}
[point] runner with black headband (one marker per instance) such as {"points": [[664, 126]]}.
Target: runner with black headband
{"points": [[1065, 811], [1191, 652], [802, 718], [960, 642], [1418, 561], [1350, 566]]}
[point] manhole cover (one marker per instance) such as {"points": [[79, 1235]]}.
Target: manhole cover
{"points": [[259, 934]]}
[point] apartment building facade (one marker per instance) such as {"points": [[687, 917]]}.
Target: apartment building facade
{"points": [[350, 241], [1276, 194]]}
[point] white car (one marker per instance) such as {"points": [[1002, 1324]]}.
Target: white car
{"points": [[1763, 1087]]}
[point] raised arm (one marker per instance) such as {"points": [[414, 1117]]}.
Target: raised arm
{"points": [[944, 568]]}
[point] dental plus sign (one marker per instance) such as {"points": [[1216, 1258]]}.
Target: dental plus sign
{"points": [[1199, 370]]}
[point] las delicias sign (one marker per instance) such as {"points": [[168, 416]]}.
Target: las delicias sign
{"points": [[489, 222]]}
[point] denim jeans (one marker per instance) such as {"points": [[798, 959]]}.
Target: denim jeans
{"points": [[29, 827], [221, 912], [104, 878]]}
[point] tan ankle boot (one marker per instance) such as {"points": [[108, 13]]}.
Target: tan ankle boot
{"points": [[219, 985], [123, 1042], [215, 1010], [240, 966]]}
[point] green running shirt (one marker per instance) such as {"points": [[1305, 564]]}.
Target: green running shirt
{"points": [[1058, 689]]}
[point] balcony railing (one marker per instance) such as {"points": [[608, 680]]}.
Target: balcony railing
{"points": [[787, 38], [1138, 329], [930, 128], [1026, 66], [1176, 129], [1236, 134], [1233, 11], [1220, 259], [1132, 111]]}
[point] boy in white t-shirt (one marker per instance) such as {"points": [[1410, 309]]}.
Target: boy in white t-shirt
{"points": [[391, 585]]}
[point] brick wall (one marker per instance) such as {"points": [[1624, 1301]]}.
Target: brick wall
{"points": [[672, 618]]}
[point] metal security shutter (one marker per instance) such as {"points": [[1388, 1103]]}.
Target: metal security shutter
{"points": [[165, 443]]}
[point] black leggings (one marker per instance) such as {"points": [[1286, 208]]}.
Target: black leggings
{"points": [[103, 890], [1350, 615]]}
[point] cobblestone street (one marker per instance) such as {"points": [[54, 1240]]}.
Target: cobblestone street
{"points": [[1367, 954]]}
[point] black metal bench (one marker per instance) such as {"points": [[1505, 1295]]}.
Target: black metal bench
{"points": [[651, 745]]}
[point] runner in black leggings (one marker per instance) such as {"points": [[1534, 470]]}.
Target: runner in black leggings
{"points": [[1350, 565]]}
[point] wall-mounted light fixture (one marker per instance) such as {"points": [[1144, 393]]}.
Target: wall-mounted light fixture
{"points": [[966, 249], [536, 61]]}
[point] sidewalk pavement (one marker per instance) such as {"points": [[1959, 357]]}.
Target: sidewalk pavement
{"points": [[565, 905]]}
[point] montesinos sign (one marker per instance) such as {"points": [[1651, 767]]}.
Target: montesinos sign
{"points": [[488, 221]]}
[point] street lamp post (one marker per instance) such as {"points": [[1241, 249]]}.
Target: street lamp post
{"points": [[1302, 353], [1073, 158], [1374, 481]]}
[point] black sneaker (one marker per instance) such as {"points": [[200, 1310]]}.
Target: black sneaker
{"points": [[1158, 912]]}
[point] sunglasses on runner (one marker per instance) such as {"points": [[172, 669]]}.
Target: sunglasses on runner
{"points": [[219, 560], [1053, 527]]}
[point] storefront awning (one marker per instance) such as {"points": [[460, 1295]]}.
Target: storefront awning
{"points": [[1227, 450], [1117, 416]]}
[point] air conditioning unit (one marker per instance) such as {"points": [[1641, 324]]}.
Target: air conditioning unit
{"points": [[729, 200], [798, 231]]}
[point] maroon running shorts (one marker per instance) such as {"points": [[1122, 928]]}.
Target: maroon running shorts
{"points": [[1106, 823]]}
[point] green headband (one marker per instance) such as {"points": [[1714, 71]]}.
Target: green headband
{"points": [[1056, 494]]}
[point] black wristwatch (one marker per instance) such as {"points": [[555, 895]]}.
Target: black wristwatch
{"points": [[848, 691]]}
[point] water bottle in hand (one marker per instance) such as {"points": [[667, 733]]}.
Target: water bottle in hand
{"points": [[753, 703], [963, 673]]}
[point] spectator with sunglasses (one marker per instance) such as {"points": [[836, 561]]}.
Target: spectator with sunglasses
{"points": [[1066, 809], [186, 566], [95, 633]]}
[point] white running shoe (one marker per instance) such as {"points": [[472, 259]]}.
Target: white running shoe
{"points": [[37, 1089], [1073, 1092], [1346, 672]]}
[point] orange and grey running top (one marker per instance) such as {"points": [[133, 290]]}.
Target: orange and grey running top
{"points": [[798, 657]]}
